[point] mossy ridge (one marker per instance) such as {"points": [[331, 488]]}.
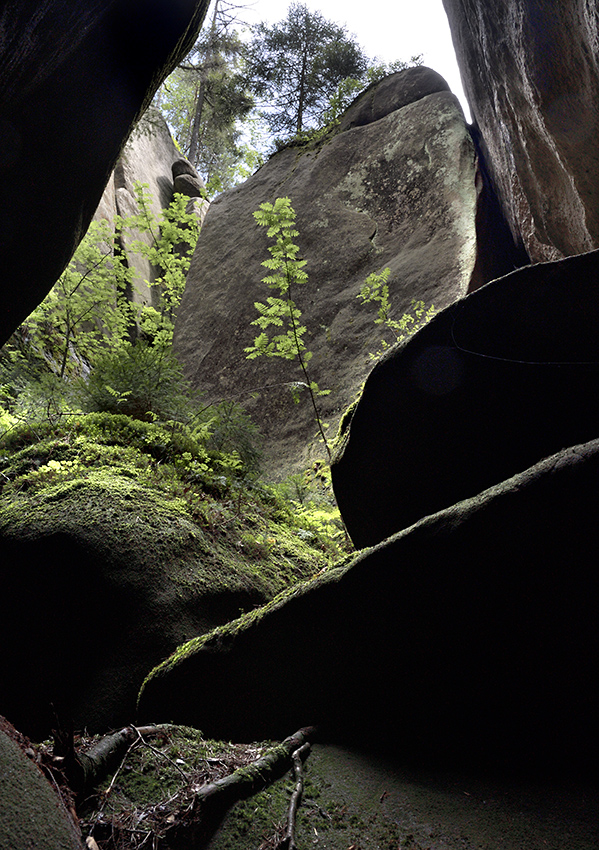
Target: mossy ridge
{"points": [[221, 636]]}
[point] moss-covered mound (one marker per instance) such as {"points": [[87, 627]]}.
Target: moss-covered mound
{"points": [[31, 813], [121, 540]]}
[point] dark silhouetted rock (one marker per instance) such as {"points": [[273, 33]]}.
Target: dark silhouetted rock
{"points": [[531, 75], [471, 636], [74, 78], [492, 385], [398, 192], [31, 813]]}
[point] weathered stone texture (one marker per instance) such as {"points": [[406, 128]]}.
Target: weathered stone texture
{"points": [[31, 813], [148, 158], [398, 192], [531, 76]]}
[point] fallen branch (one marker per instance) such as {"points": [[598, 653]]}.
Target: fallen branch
{"points": [[247, 781], [212, 801], [84, 771], [288, 842]]}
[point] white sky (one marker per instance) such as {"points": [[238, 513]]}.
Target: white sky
{"points": [[386, 29]]}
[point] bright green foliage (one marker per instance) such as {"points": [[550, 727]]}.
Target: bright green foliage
{"points": [[376, 291], [75, 350], [173, 239], [311, 494], [87, 305], [141, 380], [286, 271], [230, 430]]}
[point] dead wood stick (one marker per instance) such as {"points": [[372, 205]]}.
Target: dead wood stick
{"points": [[212, 801], [288, 842], [84, 771], [247, 781]]}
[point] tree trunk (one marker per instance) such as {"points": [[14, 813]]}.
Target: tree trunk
{"points": [[194, 142]]}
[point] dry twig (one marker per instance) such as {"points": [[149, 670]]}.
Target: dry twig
{"points": [[302, 753]]}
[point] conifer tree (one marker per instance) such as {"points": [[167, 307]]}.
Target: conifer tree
{"points": [[297, 65]]}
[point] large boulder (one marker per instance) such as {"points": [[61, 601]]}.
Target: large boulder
{"points": [[531, 75], [398, 191], [31, 813], [74, 78], [105, 571], [471, 636], [493, 384], [391, 93]]}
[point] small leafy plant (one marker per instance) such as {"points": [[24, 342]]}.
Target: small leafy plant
{"points": [[376, 291], [281, 311], [75, 351], [172, 240]]}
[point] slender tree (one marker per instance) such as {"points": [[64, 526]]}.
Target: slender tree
{"points": [[206, 97], [297, 65]]}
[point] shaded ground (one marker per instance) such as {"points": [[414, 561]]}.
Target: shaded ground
{"points": [[358, 802]]}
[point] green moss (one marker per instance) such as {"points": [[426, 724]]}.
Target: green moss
{"points": [[342, 435], [130, 491], [253, 821], [222, 636]]}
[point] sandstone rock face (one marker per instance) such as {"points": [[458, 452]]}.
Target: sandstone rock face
{"points": [[493, 384], [31, 814], [74, 78], [470, 636], [397, 192], [148, 157], [531, 75]]}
